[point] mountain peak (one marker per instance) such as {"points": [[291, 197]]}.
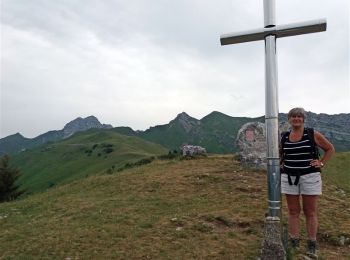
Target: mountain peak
{"points": [[15, 136], [18, 135], [185, 121], [91, 118], [183, 116], [82, 124], [86, 119], [217, 113]]}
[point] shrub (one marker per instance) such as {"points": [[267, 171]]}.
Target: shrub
{"points": [[108, 150], [88, 152], [107, 145], [135, 164], [169, 156], [9, 190], [143, 161]]}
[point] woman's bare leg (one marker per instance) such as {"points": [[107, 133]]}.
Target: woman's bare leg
{"points": [[310, 211], [293, 215]]}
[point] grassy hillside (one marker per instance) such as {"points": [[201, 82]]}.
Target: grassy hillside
{"points": [[338, 171], [216, 132], [208, 208], [90, 152], [172, 137], [221, 131]]}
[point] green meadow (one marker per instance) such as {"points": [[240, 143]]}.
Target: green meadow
{"points": [[338, 171], [84, 154], [206, 208]]}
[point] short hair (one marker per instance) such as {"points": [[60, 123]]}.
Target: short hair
{"points": [[297, 111]]}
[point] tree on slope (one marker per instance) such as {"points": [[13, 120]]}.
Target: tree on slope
{"points": [[9, 190]]}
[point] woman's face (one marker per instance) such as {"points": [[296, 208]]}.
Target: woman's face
{"points": [[296, 120]]}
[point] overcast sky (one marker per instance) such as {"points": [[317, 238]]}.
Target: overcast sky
{"points": [[140, 63]]}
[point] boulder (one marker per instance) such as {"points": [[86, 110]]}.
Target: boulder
{"points": [[193, 150], [251, 141]]}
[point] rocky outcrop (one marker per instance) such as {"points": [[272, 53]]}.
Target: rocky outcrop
{"points": [[193, 150], [251, 141], [185, 121], [82, 124]]}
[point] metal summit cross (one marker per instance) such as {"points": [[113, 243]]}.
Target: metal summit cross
{"points": [[270, 33]]}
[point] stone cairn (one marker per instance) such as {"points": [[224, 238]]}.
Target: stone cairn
{"points": [[193, 150], [251, 141]]}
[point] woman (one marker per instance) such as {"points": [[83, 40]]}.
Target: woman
{"points": [[301, 175]]}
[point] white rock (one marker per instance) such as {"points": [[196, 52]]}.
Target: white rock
{"points": [[191, 150], [341, 240]]}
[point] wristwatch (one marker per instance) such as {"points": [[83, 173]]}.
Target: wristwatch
{"points": [[321, 163]]}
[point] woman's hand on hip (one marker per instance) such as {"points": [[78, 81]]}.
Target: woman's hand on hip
{"points": [[316, 163]]}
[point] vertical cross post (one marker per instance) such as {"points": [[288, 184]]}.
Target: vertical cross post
{"points": [[271, 113]]}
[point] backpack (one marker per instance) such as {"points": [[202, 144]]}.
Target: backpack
{"points": [[311, 134], [316, 154]]}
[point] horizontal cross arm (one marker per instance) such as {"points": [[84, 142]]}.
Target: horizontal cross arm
{"points": [[279, 31], [244, 36], [301, 28]]}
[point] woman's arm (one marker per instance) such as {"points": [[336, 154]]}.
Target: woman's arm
{"points": [[326, 146]]}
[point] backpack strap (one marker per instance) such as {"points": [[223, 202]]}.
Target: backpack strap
{"points": [[297, 178], [311, 133], [284, 136]]}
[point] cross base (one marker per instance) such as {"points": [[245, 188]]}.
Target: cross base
{"points": [[272, 247]]}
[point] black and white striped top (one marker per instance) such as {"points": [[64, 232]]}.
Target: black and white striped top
{"points": [[298, 155]]}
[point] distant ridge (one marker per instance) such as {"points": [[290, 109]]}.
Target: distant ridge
{"points": [[16, 143], [216, 131]]}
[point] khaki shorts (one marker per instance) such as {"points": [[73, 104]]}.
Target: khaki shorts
{"points": [[309, 184]]}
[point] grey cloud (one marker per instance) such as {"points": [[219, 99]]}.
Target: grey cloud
{"points": [[63, 59]]}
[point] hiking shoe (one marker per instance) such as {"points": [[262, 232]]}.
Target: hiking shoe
{"points": [[294, 242], [311, 249]]}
